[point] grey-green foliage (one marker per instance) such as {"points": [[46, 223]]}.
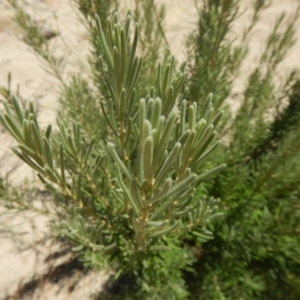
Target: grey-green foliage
{"points": [[133, 188], [77, 92], [253, 254], [77, 88], [214, 60], [153, 45], [215, 54]]}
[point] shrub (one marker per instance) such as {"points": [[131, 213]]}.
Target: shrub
{"points": [[111, 156], [254, 253], [129, 183]]}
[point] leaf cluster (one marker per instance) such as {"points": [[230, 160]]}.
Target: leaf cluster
{"points": [[130, 160], [127, 190], [253, 255]]}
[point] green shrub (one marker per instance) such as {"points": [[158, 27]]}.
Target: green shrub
{"points": [[254, 253], [130, 172]]}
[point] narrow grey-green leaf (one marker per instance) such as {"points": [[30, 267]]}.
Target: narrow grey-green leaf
{"points": [[210, 172], [48, 131], [62, 164], [136, 194], [200, 127], [136, 73], [128, 132], [78, 192], [51, 175], [156, 112], [205, 140], [28, 136], [132, 54], [31, 154], [217, 118], [130, 98], [148, 159], [17, 109], [89, 149], [47, 185], [146, 130], [108, 83], [12, 127], [7, 107], [127, 193], [37, 138], [164, 231], [108, 120], [168, 198], [160, 127], [77, 135], [32, 115], [209, 115], [157, 223], [48, 153], [165, 138], [122, 105], [150, 104], [205, 154], [165, 83], [170, 99], [127, 24], [104, 44], [184, 138], [142, 114], [206, 105], [179, 83], [159, 75], [185, 175], [203, 237], [117, 74], [168, 164], [183, 96], [192, 119], [156, 248], [186, 155], [164, 190], [182, 185], [116, 158], [182, 117]]}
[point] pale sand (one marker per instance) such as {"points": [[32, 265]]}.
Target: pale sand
{"points": [[36, 85]]}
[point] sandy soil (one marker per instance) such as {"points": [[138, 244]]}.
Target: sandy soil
{"points": [[24, 238]]}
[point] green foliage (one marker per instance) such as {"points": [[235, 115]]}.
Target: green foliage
{"points": [[129, 158], [214, 61], [254, 253], [129, 187]]}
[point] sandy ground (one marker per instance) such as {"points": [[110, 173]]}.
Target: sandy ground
{"points": [[24, 238]]}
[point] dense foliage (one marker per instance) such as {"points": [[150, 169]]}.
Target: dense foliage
{"points": [[255, 250], [254, 254]]}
